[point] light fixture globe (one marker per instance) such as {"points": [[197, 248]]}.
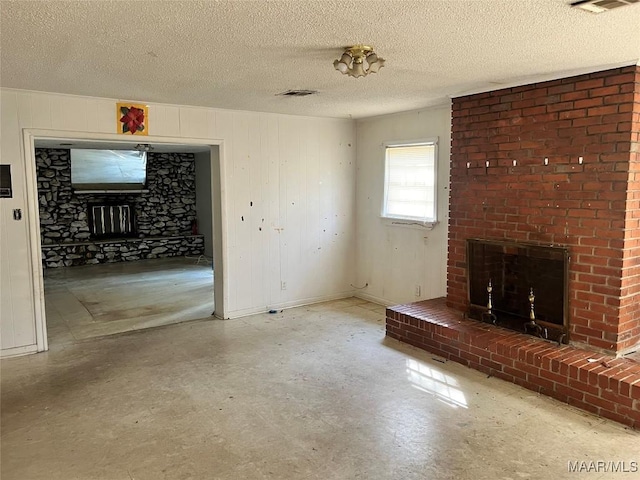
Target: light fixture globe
{"points": [[375, 63], [342, 65], [358, 61]]}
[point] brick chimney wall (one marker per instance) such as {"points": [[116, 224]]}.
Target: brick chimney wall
{"points": [[629, 326], [593, 207]]}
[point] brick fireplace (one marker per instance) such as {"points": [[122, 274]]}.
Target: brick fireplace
{"points": [[556, 163], [553, 164]]}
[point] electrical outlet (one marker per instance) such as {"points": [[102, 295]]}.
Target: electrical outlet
{"points": [[283, 285], [418, 289]]}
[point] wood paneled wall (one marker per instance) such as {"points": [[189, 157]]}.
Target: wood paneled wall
{"points": [[288, 190]]}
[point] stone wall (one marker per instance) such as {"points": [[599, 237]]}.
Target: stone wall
{"points": [[170, 206], [125, 250], [165, 209]]}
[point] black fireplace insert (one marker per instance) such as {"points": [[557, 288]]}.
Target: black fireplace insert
{"points": [[111, 220], [519, 286]]}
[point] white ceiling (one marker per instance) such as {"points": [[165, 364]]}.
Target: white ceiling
{"points": [[240, 54]]}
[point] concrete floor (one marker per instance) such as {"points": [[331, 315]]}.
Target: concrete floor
{"points": [[313, 392], [96, 300]]}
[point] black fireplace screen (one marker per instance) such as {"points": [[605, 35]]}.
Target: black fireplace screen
{"points": [[111, 220], [515, 270]]}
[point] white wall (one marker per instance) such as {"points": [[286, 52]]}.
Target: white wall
{"points": [[298, 172], [394, 259], [204, 210]]}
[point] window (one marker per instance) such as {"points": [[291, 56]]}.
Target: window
{"points": [[108, 169], [410, 181]]}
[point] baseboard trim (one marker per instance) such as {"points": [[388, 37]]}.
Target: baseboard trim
{"points": [[373, 299], [292, 304], [18, 351]]}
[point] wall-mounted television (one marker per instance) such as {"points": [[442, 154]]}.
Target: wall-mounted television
{"points": [[108, 169]]}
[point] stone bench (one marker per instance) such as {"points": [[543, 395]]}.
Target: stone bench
{"points": [[120, 250]]}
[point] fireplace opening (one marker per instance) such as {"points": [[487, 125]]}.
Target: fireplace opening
{"points": [[111, 221], [519, 286]]}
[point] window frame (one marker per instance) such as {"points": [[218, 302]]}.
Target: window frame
{"points": [[81, 159], [405, 219]]}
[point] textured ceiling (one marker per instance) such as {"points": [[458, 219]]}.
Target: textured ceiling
{"points": [[240, 54]]}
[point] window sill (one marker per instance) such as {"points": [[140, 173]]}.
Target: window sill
{"points": [[407, 223]]}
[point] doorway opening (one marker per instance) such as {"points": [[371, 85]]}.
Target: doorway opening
{"points": [[118, 257]]}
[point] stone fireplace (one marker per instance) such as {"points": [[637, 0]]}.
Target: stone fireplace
{"points": [[80, 228], [553, 170], [111, 220]]}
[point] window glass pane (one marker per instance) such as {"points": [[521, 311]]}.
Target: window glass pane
{"points": [[108, 168], [410, 181]]}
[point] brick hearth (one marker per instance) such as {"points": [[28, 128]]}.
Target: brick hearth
{"points": [[599, 383]]}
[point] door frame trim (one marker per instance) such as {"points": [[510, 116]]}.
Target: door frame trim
{"points": [[218, 195]]}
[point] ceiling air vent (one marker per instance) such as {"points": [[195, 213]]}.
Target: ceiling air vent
{"points": [[297, 93], [599, 6]]}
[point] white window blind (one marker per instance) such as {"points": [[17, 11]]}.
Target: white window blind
{"points": [[410, 182]]}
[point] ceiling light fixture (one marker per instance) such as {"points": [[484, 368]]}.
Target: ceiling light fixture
{"points": [[600, 6], [359, 61], [297, 93], [143, 147]]}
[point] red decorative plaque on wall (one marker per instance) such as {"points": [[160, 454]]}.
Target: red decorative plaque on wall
{"points": [[133, 118]]}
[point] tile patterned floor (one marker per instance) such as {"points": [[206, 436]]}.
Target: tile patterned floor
{"points": [[314, 392], [96, 300]]}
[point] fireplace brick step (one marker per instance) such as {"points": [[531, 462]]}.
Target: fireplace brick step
{"points": [[595, 382]]}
